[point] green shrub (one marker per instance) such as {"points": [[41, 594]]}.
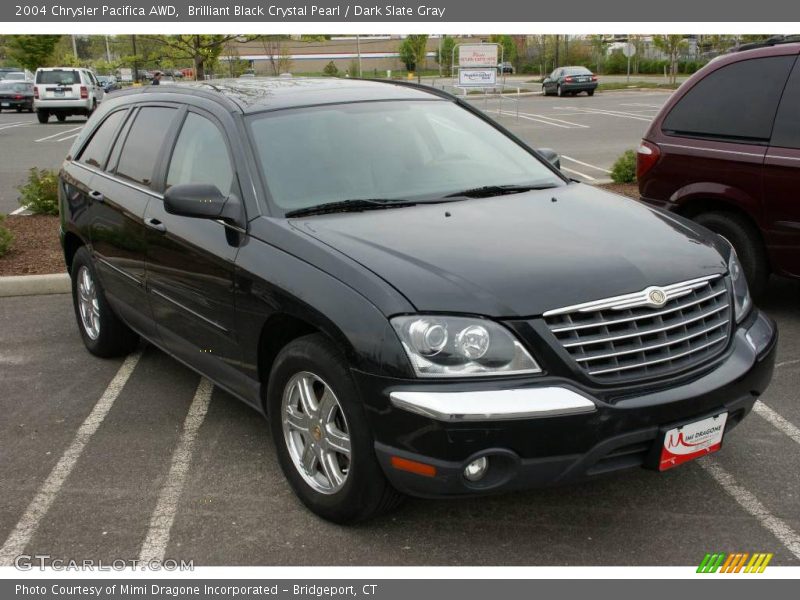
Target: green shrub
{"points": [[40, 194], [5, 238], [330, 69], [624, 169]]}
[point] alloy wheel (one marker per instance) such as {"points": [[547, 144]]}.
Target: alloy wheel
{"points": [[88, 305], [315, 432]]}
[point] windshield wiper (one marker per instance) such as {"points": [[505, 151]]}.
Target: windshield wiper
{"points": [[349, 206], [499, 190]]}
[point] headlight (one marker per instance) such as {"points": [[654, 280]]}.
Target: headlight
{"points": [[741, 293], [461, 347]]}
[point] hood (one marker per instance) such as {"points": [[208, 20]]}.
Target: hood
{"points": [[522, 254]]}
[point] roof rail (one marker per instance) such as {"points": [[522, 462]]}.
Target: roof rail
{"points": [[775, 40]]}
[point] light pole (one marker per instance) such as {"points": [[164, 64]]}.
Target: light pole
{"points": [[358, 51]]}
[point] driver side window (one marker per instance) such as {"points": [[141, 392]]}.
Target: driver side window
{"points": [[201, 155]]}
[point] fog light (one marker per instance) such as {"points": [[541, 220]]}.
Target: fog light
{"points": [[476, 469]]}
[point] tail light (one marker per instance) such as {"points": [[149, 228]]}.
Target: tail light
{"points": [[18, 97], [36, 92], [647, 155], [594, 77], [84, 92], [568, 79]]}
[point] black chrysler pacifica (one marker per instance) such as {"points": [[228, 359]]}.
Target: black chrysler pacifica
{"points": [[419, 302]]}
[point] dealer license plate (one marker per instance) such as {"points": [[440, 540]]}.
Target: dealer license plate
{"points": [[691, 441]]}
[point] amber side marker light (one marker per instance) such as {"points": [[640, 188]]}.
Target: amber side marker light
{"points": [[412, 466]]}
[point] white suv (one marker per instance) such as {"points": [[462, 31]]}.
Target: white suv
{"points": [[64, 91]]}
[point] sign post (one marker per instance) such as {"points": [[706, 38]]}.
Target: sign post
{"points": [[629, 50]]}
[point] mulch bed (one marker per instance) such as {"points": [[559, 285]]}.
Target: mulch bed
{"points": [[35, 249], [631, 190]]}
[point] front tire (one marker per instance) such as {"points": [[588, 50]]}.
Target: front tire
{"points": [[746, 241], [321, 434], [103, 333]]}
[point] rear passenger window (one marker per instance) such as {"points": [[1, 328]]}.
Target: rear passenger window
{"points": [[786, 133], [737, 101], [96, 151], [200, 155], [138, 157]]}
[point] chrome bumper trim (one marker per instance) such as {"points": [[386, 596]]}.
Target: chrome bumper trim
{"points": [[493, 405]]}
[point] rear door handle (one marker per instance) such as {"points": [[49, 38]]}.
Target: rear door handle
{"points": [[155, 224], [97, 196]]}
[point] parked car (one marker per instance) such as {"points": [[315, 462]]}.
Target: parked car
{"points": [[725, 152], [419, 302], [16, 95], [505, 67], [65, 91], [108, 82], [571, 81]]}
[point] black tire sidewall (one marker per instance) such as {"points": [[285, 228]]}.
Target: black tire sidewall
{"points": [[365, 482], [745, 241]]}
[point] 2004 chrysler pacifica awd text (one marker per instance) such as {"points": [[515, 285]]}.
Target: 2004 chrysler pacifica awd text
{"points": [[418, 302]]}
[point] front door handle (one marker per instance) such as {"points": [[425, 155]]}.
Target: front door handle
{"points": [[97, 196], [155, 224]]}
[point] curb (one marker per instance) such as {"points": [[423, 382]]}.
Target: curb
{"points": [[34, 285]]}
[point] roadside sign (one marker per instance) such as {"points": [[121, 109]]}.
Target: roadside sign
{"points": [[477, 78], [628, 50], [477, 55], [126, 74]]}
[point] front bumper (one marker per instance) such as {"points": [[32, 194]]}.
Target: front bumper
{"points": [[551, 430]]}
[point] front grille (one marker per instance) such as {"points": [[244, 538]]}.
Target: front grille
{"points": [[626, 338]]}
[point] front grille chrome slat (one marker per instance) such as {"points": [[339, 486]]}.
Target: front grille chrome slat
{"points": [[623, 340]]}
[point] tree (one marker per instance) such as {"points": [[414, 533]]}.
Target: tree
{"points": [[202, 50], [407, 56], [31, 51], [507, 44], [277, 52], [330, 69], [444, 56], [672, 46], [418, 47]]}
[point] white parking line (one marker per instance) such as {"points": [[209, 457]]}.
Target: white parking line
{"points": [[575, 160], [579, 125], [584, 175], [787, 536], [38, 507], [611, 113], [527, 118], [50, 137], [18, 124], [69, 137], [777, 421], [656, 106], [155, 543]]}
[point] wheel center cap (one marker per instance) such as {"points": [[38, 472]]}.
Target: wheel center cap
{"points": [[317, 432]]}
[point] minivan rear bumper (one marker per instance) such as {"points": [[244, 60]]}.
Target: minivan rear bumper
{"points": [[534, 450]]}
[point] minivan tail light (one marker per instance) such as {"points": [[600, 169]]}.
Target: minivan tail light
{"points": [[84, 92], [647, 155], [36, 92]]}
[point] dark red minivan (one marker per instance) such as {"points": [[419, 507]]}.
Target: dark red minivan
{"points": [[725, 152]]}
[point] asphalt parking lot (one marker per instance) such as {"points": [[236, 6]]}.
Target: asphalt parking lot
{"points": [[589, 133], [111, 459]]}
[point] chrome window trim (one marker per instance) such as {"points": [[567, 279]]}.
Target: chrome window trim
{"points": [[719, 150], [493, 405], [122, 272], [116, 179]]}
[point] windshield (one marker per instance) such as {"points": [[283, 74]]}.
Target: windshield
{"points": [[58, 77], [404, 150]]}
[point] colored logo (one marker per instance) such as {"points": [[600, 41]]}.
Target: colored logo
{"points": [[736, 562]]}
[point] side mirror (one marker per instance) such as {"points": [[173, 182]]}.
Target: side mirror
{"points": [[203, 201], [550, 156]]}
